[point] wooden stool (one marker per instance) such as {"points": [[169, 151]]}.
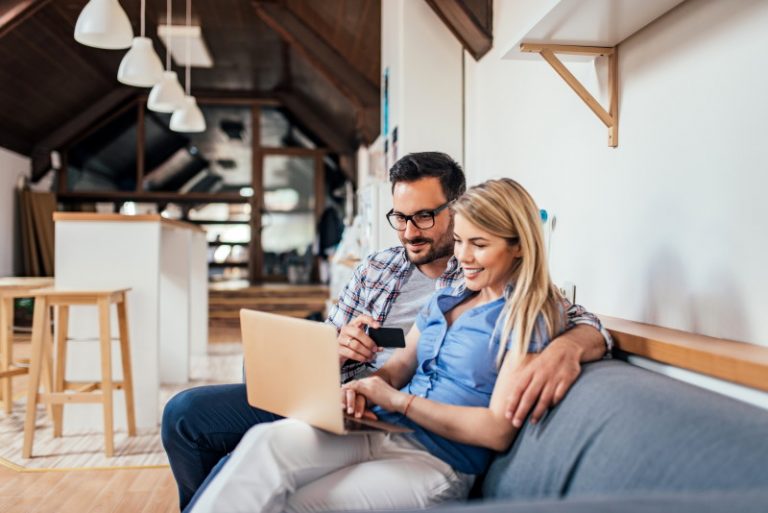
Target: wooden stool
{"points": [[10, 289], [78, 392]]}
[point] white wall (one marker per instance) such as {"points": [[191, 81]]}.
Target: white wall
{"points": [[424, 61], [671, 227], [425, 88], [12, 165]]}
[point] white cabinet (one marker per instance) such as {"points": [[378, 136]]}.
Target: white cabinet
{"points": [[164, 264]]}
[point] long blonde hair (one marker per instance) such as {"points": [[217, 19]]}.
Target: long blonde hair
{"points": [[505, 209]]}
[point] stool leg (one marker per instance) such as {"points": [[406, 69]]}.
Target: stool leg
{"points": [[125, 358], [39, 324], [106, 375], [61, 366], [47, 369], [6, 352]]}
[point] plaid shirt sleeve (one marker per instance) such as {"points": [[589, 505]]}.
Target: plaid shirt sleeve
{"points": [[577, 314], [347, 308], [350, 301]]}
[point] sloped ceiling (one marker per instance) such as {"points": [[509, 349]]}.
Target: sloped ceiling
{"points": [[51, 86]]}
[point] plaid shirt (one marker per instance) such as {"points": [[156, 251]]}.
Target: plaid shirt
{"points": [[376, 284]]}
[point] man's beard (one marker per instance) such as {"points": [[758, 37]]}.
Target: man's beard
{"points": [[441, 249]]}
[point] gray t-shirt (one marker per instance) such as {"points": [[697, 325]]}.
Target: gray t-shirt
{"points": [[414, 294]]}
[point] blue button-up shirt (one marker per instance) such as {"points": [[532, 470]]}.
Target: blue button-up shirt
{"points": [[376, 286], [457, 365]]}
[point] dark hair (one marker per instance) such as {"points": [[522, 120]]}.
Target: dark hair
{"points": [[416, 166]]}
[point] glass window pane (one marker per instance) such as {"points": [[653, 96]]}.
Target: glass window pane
{"points": [[228, 252], [216, 160], [288, 216], [228, 233], [228, 212], [278, 131]]}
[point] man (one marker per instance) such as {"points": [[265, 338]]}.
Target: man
{"points": [[202, 425]]}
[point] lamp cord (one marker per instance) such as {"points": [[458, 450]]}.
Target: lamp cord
{"points": [[189, 24], [143, 13], [168, 12]]}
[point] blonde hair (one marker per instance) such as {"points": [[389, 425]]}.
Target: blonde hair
{"points": [[505, 209]]}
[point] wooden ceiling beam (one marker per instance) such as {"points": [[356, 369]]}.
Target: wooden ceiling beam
{"points": [[319, 53], [331, 135], [15, 12], [222, 96], [474, 36], [67, 132], [12, 142], [367, 124]]}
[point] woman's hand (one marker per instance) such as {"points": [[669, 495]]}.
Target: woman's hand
{"points": [[375, 390], [355, 404]]}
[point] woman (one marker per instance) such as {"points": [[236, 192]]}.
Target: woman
{"points": [[453, 375]]}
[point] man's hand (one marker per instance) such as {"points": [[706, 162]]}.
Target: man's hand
{"points": [[544, 381], [354, 343]]}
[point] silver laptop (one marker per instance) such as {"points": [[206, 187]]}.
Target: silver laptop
{"points": [[292, 369]]}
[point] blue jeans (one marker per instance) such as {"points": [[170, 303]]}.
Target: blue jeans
{"points": [[203, 425]]}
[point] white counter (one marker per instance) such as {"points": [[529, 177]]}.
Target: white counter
{"points": [[164, 263]]}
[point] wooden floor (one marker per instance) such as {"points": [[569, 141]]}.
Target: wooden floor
{"points": [[150, 490], [88, 491]]}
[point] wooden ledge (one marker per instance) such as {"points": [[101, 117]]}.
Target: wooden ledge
{"points": [[738, 362], [21, 284], [157, 218]]}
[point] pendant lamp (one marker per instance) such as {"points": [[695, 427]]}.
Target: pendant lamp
{"points": [[188, 118], [141, 67], [104, 24], [167, 95]]}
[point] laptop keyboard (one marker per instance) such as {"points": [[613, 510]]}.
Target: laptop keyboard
{"points": [[353, 425]]}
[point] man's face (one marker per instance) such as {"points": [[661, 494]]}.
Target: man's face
{"points": [[423, 246]]}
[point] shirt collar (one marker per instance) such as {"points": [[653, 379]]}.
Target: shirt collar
{"points": [[461, 290], [452, 269]]}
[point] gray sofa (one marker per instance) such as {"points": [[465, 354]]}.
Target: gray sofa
{"points": [[626, 439]]}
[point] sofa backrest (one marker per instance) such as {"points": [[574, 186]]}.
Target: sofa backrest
{"points": [[623, 429]]}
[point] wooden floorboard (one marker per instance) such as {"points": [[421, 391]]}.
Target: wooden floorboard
{"points": [[150, 490], [88, 491]]}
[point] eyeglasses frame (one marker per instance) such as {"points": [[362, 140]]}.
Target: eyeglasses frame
{"points": [[433, 213]]}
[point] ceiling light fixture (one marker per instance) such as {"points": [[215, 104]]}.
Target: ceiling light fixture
{"points": [[141, 67], [200, 56], [104, 24], [188, 118], [167, 95]]}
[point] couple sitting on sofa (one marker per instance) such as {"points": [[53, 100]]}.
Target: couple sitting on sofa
{"points": [[475, 357]]}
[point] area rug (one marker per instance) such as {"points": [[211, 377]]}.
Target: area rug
{"points": [[85, 450]]}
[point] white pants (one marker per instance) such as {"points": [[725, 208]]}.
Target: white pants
{"points": [[291, 466]]}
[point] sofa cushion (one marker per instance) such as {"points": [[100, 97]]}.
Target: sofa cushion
{"points": [[622, 429], [752, 501]]}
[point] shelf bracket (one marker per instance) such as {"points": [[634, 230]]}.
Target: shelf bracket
{"points": [[610, 117]]}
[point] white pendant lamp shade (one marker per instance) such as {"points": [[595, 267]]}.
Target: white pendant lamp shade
{"points": [[141, 67], [167, 95], [188, 118], [104, 24]]}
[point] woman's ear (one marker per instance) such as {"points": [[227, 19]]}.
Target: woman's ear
{"points": [[516, 249]]}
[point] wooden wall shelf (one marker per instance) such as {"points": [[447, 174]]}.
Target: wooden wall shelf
{"points": [[150, 197], [581, 30], [601, 23], [737, 362], [609, 117]]}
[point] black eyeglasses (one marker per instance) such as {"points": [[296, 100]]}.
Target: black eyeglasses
{"points": [[422, 220]]}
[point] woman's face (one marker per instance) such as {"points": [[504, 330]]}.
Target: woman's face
{"points": [[488, 260]]}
